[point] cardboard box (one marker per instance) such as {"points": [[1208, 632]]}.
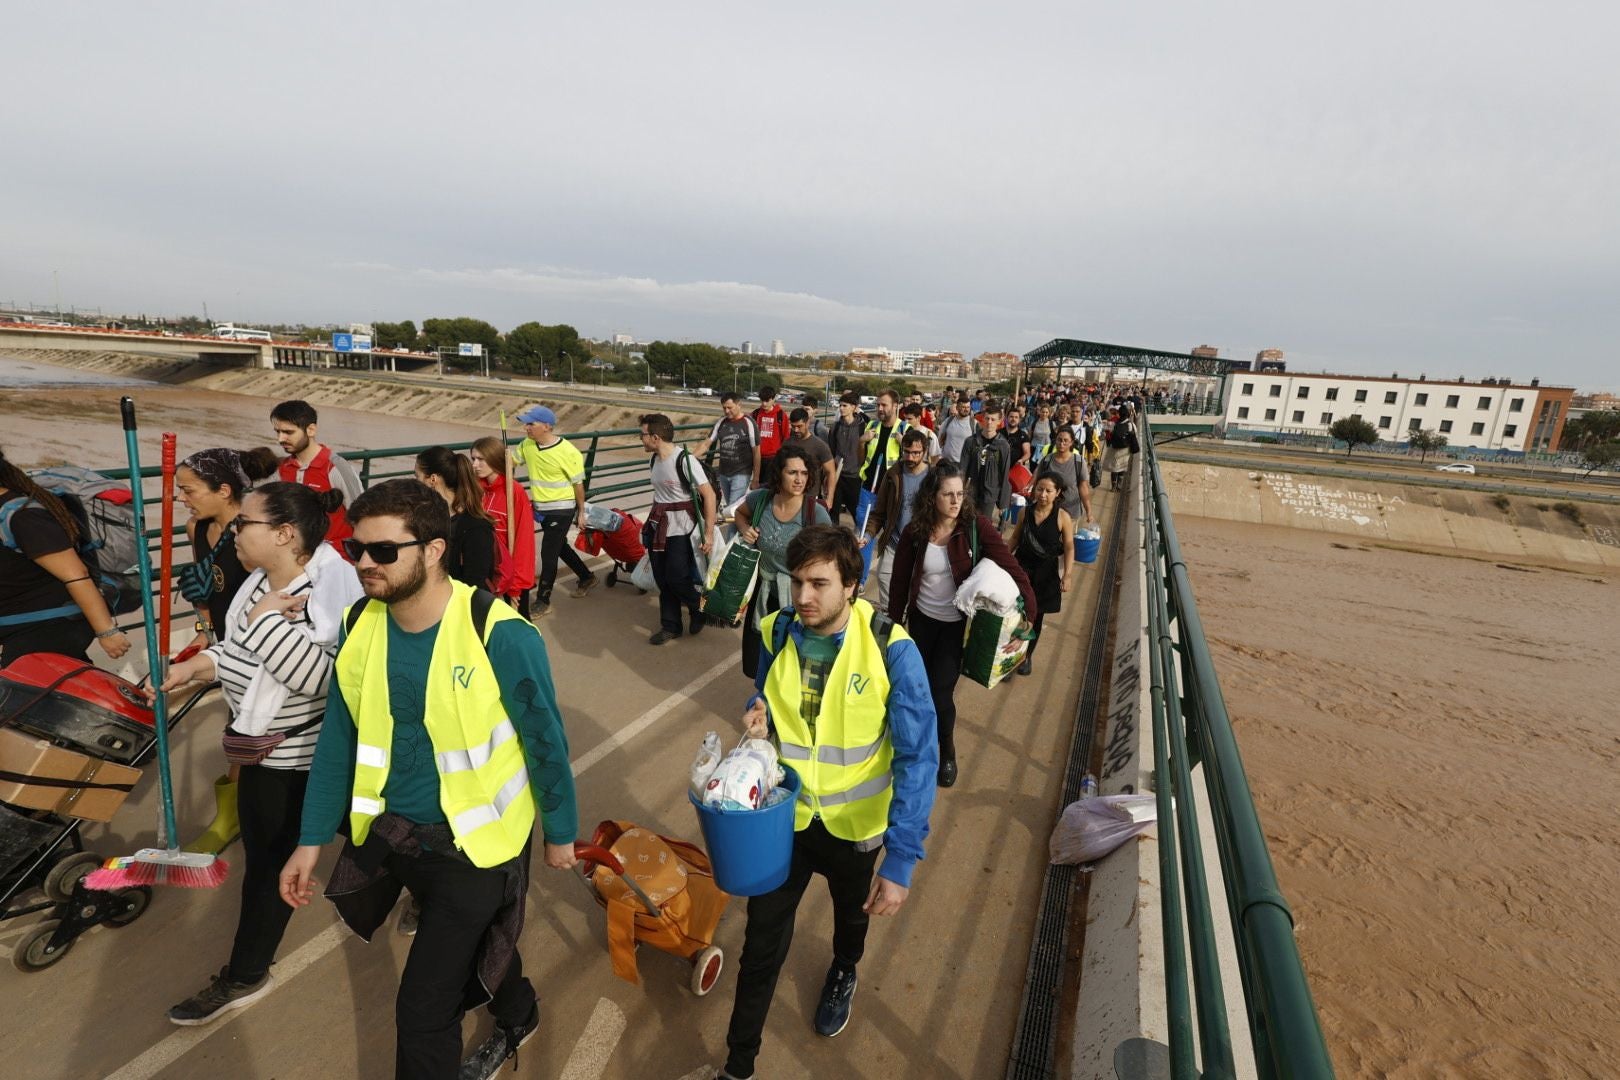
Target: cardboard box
{"points": [[33, 757]]}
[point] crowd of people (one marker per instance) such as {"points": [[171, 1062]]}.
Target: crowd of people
{"points": [[384, 677]]}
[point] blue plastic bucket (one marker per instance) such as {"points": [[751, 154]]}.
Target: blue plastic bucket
{"points": [[751, 850], [1086, 544]]}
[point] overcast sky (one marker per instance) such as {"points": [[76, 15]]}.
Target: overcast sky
{"points": [[1405, 187]]}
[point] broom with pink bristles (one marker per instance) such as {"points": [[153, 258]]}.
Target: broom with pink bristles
{"points": [[165, 865]]}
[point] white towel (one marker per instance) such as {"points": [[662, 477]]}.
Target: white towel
{"points": [[333, 586], [988, 588]]}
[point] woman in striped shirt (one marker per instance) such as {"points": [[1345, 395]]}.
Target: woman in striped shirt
{"points": [[274, 662]]}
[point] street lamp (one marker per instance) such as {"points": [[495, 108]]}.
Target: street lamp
{"points": [[649, 369], [683, 374], [735, 368]]}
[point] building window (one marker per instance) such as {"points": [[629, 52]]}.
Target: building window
{"points": [[1304, 392], [1421, 399], [1477, 429], [1516, 405], [1510, 431], [1451, 401], [1276, 391], [1243, 412], [1333, 393], [1271, 414], [1327, 418], [1414, 424], [1299, 416], [1445, 427], [1384, 422], [1389, 397], [1248, 388], [1361, 395], [1484, 402]]}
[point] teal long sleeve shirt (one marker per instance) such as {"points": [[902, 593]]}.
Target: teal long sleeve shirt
{"points": [[518, 655]]}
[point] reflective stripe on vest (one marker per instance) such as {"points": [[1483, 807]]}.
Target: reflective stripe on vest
{"points": [[483, 779], [844, 766]]}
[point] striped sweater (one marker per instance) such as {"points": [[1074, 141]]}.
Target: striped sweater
{"points": [[288, 653]]}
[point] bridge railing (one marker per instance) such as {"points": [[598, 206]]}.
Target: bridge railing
{"points": [[1191, 727]]}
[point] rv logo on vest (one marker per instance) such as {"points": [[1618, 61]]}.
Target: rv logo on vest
{"points": [[858, 684], [462, 675]]}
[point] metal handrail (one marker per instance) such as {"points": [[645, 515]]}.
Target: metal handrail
{"points": [[1191, 726]]}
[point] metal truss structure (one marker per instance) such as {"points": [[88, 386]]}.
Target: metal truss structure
{"points": [[1067, 352]]}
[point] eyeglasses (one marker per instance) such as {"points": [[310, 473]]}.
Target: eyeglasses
{"points": [[382, 552], [238, 521]]}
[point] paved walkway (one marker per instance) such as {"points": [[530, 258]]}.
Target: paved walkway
{"points": [[939, 988]]}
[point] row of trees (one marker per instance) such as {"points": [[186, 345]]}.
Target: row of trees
{"points": [[1596, 437], [699, 364]]}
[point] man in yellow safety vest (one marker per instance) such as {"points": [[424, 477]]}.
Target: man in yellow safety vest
{"points": [[845, 694], [440, 749]]}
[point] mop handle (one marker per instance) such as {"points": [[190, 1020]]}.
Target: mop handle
{"points": [[154, 654]]}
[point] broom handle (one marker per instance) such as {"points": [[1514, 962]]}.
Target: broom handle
{"points": [[160, 705], [166, 552], [511, 496]]}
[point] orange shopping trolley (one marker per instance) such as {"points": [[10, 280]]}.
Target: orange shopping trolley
{"points": [[655, 889]]}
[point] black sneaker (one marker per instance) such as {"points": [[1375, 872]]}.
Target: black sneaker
{"points": [[219, 997], [833, 1012], [661, 637], [496, 1050], [541, 606]]}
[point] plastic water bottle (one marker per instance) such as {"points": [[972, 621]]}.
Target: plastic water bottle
{"points": [[1088, 786]]}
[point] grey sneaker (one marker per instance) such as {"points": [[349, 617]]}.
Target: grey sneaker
{"points": [[410, 917], [585, 586], [499, 1048], [219, 997]]}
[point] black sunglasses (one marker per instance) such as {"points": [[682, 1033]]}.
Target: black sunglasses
{"points": [[382, 552]]}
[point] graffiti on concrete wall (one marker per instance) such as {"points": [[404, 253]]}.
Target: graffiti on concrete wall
{"points": [[1330, 501], [1605, 535], [1123, 706]]}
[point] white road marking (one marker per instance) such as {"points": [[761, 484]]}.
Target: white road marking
{"points": [[172, 1047], [596, 1043], [650, 717]]}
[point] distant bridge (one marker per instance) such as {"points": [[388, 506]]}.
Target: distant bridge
{"points": [[214, 350]]}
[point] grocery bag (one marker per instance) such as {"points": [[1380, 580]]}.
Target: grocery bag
{"points": [[731, 582], [995, 646], [642, 576]]}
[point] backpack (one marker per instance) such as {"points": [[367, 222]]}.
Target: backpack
{"points": [[107, 535], [756, 503]]}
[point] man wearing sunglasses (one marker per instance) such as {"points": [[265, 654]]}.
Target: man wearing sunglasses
{"points": [[440, 748]]}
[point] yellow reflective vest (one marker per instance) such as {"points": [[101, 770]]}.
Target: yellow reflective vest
{"points": [[891, 449], [483, 778], [845, 763], [553, 470]]}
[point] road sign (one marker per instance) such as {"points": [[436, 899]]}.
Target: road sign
{"points": [[362, 342], [343, 343], [471, 348]]}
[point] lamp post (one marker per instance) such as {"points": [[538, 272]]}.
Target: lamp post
{"points": [[648, 362], [683, 374], [735, 368]]}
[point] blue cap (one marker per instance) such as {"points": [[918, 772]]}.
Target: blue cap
{"points": [[538, 414]]}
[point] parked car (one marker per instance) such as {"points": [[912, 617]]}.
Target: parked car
{"points": [[1456, 466], [704, 391], [649, 389]]}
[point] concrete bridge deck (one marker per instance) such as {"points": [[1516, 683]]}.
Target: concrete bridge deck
{"points": [[940, 986]]}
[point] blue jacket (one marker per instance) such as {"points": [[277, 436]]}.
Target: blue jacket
{"points": [[914, 731]]}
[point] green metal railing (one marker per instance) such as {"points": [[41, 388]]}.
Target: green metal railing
{"points": [[1191, 726]]}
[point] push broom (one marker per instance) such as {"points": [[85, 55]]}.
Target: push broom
{"points": [[167, 864]]}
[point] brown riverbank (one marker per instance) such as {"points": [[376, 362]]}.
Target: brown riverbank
{"points": [[1432, 742]]}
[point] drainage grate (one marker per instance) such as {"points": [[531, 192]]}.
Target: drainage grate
{"points": [[1035, 1038]]}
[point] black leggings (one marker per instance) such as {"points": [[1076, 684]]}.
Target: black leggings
{"points": [[941, 646], [270, 803]]}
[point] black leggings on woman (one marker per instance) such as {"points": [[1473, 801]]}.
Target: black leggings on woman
{"points": [[941, 646], [271, 804]]}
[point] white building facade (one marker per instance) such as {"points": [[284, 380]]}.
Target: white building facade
{"points": [[1494, 415]]}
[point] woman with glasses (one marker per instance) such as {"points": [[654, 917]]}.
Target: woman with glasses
{"points": [[768, 519], [212, 484], [946, 539], [1070, 468], [514, 569], [473, 552], [274, 663]]}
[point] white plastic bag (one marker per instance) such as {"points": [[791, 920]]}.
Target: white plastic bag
{"points": [[642, 576], [989, 588], [746, 778], [707, 760], [602, 519], [1091, 828]]}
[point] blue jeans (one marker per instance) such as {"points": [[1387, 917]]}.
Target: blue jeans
{"points": [[732, 488]]}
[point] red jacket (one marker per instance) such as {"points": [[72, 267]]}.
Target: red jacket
{"points": [[318, 477], [908, 563], [772, 424], [514, 571]]}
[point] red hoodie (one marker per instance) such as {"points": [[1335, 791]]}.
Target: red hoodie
{"points": [[318, 477], [514, 571]]}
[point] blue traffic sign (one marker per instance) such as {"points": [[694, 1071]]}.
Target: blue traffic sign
{"points": [[343, 342]]}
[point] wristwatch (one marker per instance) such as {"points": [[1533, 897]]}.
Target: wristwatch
{"points": [[203, 628]]}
